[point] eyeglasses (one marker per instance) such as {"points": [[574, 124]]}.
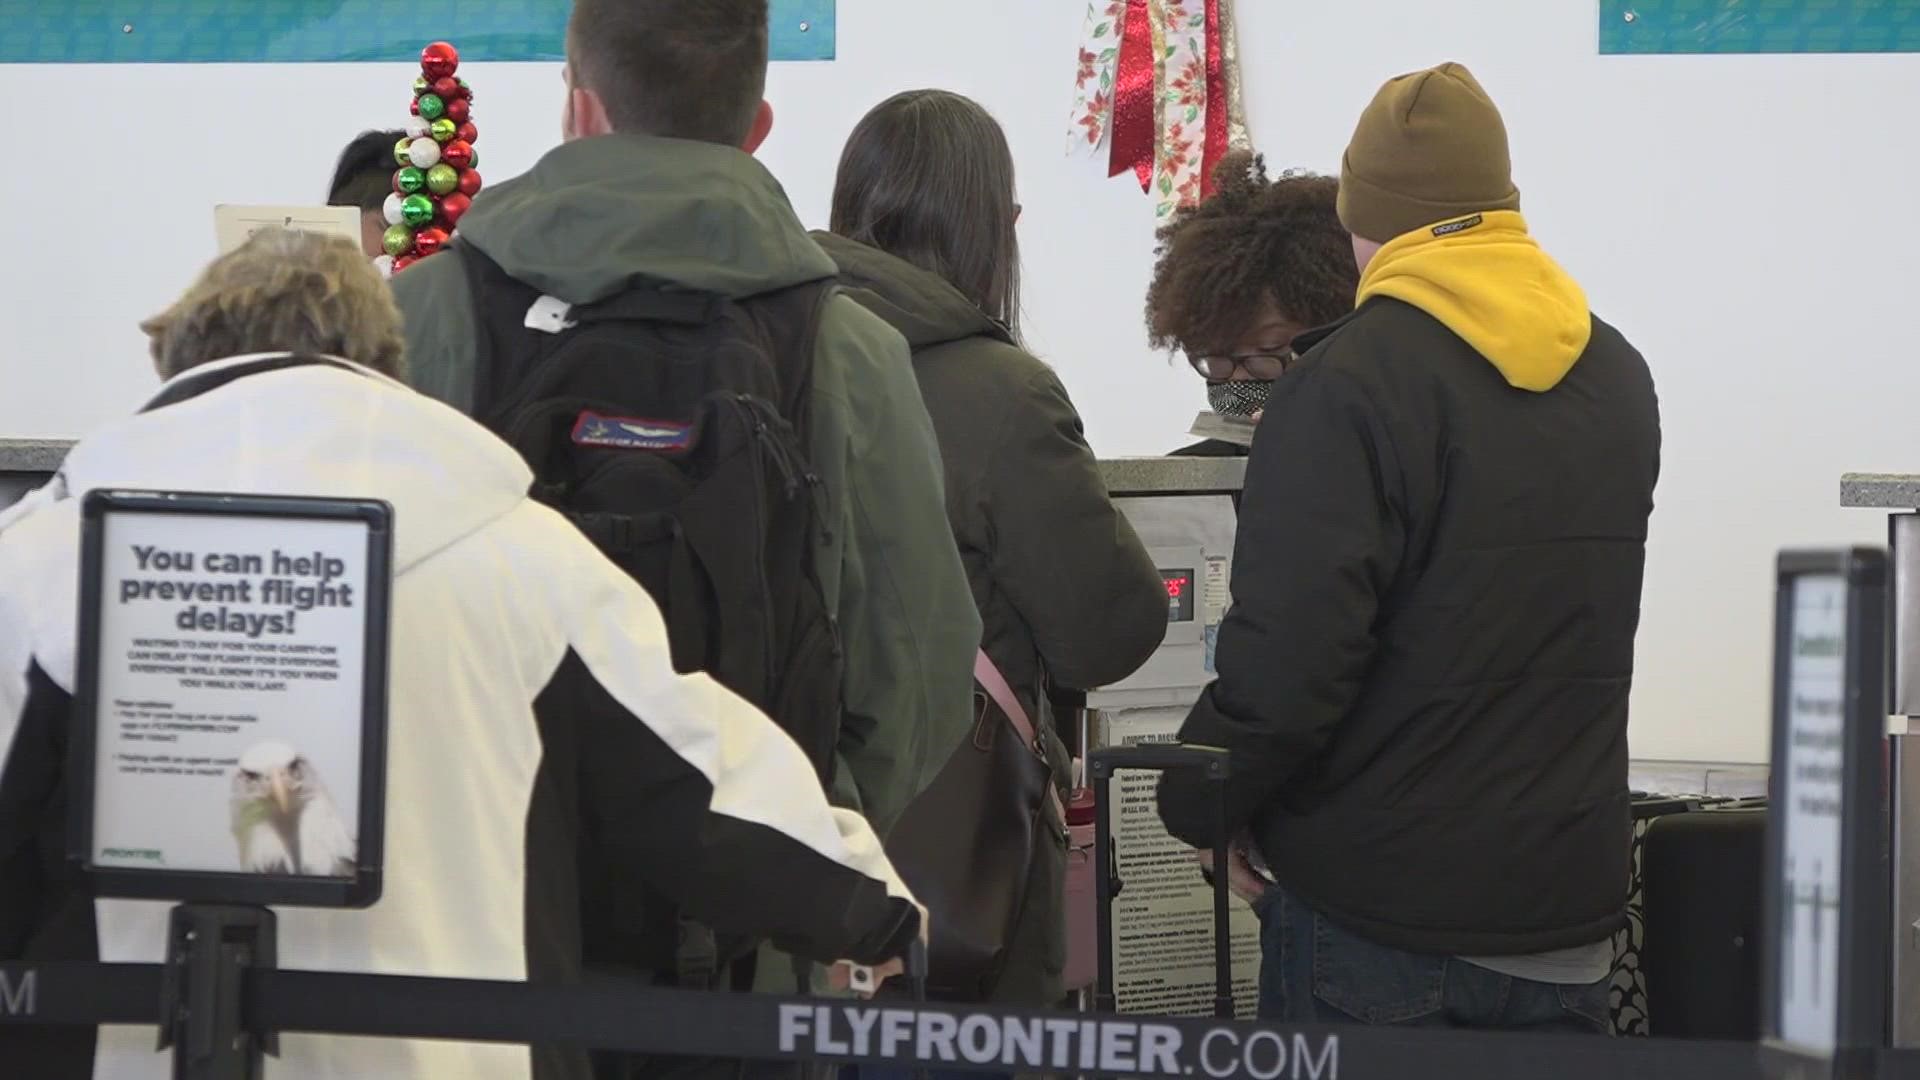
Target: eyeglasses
{"points": [[1267, 364]]}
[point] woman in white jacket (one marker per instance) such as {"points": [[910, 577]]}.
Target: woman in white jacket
{"points": [[279, 365]]}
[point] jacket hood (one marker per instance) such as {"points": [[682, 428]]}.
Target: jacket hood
{"points": [[315, 430], [597, 214], [1487, 280], [924, 307]]}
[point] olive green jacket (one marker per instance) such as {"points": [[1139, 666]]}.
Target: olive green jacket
{"points": [[1068, 595], [596, 214]]}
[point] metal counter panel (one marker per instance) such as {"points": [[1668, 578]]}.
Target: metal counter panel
{"points": [[1890, 491], [32, 455]]}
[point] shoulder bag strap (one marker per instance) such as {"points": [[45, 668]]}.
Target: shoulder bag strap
{"points": [[995, 684]]}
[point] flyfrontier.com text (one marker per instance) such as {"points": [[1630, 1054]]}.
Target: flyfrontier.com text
{"points": [[1108, 1046]]}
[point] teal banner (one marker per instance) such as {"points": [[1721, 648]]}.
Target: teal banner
{"points": [[326, 31], [1759, 26]]}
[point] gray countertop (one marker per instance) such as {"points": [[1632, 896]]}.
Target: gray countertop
{"points": [[1887, 491], [1124, 476], [1171, 475], [32, 455]]}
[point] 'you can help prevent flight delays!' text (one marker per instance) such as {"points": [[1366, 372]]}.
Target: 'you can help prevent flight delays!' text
{"points": [[231, 670]]}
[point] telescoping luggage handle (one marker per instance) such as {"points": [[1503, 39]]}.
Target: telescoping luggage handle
{"points": [[1158, 757]]}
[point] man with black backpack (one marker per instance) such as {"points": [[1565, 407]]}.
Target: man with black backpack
{"points": [[644, 317]]}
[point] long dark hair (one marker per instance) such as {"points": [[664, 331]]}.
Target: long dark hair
{"points": [[927, 177]]}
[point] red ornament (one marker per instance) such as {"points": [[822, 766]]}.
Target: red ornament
{"points": [[446, 87], [404, 261], [439, 60], [429, 240], [458, 154], [467, 133], [452, 207], [469, 182], [458, 110], [416, 106]]}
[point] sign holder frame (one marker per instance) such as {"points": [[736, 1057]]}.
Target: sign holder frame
{"points": [[1861, 1007], [361, 890]]}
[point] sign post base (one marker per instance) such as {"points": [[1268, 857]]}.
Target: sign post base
{"points": [[210, 951]]}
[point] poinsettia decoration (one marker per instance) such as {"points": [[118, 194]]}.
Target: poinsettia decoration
{"points": [[1157, 84]]}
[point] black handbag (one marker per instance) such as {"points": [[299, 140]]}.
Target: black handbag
{"points": [[966, 846]]}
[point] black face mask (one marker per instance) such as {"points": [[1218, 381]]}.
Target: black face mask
{"points": [[1239, 397]]}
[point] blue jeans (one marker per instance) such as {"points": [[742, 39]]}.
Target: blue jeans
{"points": [[1314, 972]]}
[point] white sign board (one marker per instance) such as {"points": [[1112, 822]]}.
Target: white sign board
{"points": [[231, 663], [232, 225], [1163, 949], [1812, 777]]}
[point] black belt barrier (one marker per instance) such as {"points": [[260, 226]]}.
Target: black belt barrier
{"points": [[621, 1016]]}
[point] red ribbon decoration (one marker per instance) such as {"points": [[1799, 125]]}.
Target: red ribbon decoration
{"points": [[1217, 105], [1133, 106]]}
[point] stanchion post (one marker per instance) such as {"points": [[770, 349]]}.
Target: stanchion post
{"points": [[1903, 780], [1105, 885], [1904, 962], [210, 951], [1222, 931]]}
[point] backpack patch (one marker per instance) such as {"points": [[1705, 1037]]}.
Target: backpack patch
{"points": [[630, 433]]}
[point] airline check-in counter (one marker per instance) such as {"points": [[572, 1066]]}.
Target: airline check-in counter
{"points": [[26, 464], [1163, 916]]}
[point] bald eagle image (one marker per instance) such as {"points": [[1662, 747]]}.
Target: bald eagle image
{"points": [[283, 819]]}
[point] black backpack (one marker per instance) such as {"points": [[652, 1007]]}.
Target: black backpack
{"points": [[670, 427]]}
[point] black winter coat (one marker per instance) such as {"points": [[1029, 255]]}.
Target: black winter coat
{"points": [[1424, 674], [1066, 591]]}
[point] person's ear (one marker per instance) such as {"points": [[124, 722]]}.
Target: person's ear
{"points": [[762, 127], [586, 115]]}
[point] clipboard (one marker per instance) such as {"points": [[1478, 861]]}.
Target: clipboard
{"points": [[232, 224]]}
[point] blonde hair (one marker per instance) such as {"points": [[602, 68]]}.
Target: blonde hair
{"points": [[282, 291]]}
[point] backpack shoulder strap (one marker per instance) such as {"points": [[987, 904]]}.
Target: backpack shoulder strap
{"points": [[788, 321], [500, 306]]}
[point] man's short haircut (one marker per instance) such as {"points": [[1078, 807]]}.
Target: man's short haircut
{"points": [[364, 175], [282, 291], [681, 69]]}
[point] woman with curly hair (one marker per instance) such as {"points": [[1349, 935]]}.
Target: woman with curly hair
{"points": [[1242, 274]]}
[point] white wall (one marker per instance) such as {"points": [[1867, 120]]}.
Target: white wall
{"points": [[1744, 219]]}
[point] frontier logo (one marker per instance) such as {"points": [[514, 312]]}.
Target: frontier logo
{"points": [[19, 998], [1055, 1044]]}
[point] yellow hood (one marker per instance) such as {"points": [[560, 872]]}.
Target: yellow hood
{"points": [[1487, 280]]}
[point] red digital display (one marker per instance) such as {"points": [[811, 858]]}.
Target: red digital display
{"points": [[1179, 594]]}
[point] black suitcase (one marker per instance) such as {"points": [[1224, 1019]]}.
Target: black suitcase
{"points": [[1701, 956], [1628, 992], [1161, 757]]}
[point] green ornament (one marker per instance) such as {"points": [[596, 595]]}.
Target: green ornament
{"points": [[473, 159], [420, 86], [442, 130], [416, 210], [398, 240], [442, 178], [431, 107], [409, 181], [400, 155], [462, 82]]}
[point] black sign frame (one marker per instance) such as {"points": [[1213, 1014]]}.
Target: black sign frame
{"points": [[1863, 915], [362, 889]]}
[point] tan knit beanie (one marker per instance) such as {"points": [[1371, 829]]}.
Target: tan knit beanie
{"points": [[1430, 147]]}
